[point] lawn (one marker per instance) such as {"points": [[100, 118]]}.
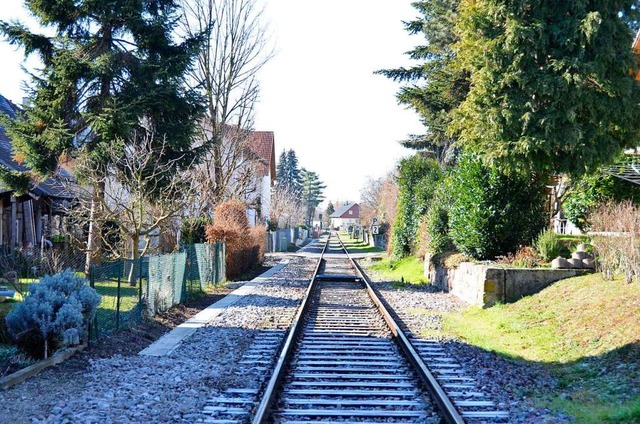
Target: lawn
{"points": [[584, 329], [408, 270], [357, 245]]}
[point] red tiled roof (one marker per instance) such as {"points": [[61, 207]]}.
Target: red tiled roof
{"points": [[262, 144]]}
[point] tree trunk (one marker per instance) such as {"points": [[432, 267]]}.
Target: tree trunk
{"points": [[135, 263], [94, 241]]}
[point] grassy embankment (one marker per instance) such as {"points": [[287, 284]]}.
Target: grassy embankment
{"points": [[408, 270], [584, 329]]}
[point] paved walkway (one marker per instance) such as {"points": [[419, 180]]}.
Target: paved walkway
{"points": [[170, 341]]}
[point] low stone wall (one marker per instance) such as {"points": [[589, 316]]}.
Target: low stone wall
{"points": [[486, 285]]}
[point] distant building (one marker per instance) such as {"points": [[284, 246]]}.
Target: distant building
{"points": [[345, 216]]}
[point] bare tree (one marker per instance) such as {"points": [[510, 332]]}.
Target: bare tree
{"points": [[286, 209], [225, 74], [142, 191]]}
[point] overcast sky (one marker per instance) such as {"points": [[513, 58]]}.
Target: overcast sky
{"points": [[318, 94]]}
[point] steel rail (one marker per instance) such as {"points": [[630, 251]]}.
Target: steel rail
{"points": [[448, 410], [263, 408]]}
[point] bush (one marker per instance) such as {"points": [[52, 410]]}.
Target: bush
{"points": [[526, 257], [194, 230], [617, 241], [56, 312], [492, 214], [417, 179], [437, 222], [549, 246], [244, 245]]}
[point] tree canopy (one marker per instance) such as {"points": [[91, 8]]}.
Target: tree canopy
{"points": [[435, 87], [109, 68], [552, 83]]}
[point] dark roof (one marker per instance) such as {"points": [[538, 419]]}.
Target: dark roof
{"points": [[51, 187], [342, 210]]}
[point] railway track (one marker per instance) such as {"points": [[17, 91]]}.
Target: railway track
{"points": [[346, 360]]}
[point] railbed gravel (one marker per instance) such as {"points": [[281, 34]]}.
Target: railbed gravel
{"points": [[508, 383], [173, 388]]}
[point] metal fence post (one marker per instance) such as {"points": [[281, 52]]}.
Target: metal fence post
{"points": [[94, 323], [118, 302]]}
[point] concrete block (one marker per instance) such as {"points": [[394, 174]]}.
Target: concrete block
{"points": [[579, 255], [575, 263], [560, 263]]}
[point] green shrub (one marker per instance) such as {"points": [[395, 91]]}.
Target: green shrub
{"points": [[55, 313], [417, 180], [492, 214], [549, 245], [194, 230], [438, 239]]}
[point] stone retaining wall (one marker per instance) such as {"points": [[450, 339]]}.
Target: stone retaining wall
{"points": [[486, 285]]}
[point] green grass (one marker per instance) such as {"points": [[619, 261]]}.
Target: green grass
{"points": [[586, 331], [406, 270], [358, 246]]}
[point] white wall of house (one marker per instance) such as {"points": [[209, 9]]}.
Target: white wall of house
{"points": [[265, 193]]}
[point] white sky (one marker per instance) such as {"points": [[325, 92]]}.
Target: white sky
{"points": [[318, 94]]}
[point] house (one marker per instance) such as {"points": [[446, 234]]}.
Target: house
{"points": [[26, 218], [345, 216], [261, 154]]}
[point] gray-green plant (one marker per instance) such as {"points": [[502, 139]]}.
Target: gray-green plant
{"points": [[56, 312]]}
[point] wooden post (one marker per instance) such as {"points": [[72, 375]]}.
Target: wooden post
{"points": [[14, 222]]}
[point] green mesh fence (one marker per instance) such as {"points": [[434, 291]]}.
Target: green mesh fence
{"points": [[153, 284]]}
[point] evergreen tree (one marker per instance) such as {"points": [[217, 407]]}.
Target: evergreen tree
{"points": [[111, 72], [437, 87], [552, 82], [311, 192], [281, 168], [328, 212], [288, 172]]}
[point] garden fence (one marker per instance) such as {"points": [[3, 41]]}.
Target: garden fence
{"points": [[130, 289]]}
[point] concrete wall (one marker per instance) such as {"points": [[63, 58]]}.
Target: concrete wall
{"points": [[486, 285]]}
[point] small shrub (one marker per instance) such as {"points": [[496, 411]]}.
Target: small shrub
{"points": [[55, 313], [244, 245], [617, 241], [194, 229], [5, 337], [548, 245], [526, 257]]}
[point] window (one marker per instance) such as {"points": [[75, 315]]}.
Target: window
{"points": [[350, 212]]}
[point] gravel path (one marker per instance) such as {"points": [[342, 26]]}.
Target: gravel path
{"points": [[508, 383], [123, 389]]}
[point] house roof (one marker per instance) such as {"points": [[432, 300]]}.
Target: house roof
{"points": [[262, 144], [51, 187], [342, 210]]}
